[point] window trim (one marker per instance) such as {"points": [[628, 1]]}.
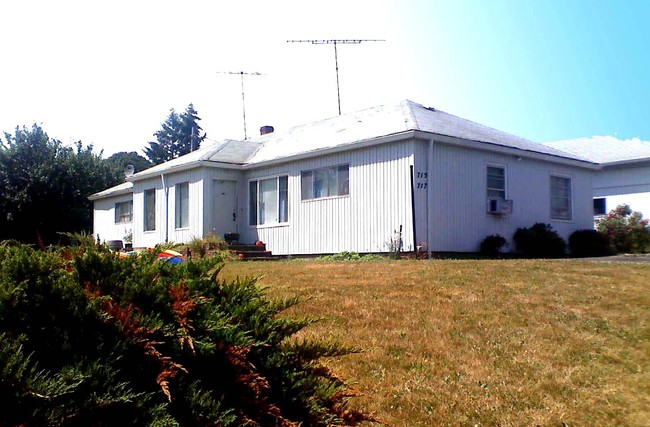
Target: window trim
{"points": [[551, 197], [116, 212], [257, 180], [178, 205], [146, 208], [338, 186]]}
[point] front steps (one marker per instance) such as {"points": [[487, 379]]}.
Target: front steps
{"points": [[251, 252]]}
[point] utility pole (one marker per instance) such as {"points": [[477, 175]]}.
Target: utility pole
{"points": [[243, 100], [336, 56]]}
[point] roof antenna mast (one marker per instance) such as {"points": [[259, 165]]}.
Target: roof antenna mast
{"points": [[336, 57], [243, 99]]}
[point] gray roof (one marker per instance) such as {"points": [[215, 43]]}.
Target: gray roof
{"points": [[605, 149], [123, 188], [349, 130], [385, 120], [224, 152]]}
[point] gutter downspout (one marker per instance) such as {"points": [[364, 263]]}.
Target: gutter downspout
{"points": [[430, 218], [166, 191]]}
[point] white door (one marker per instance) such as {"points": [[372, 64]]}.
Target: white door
{"points": [[224, 207]]}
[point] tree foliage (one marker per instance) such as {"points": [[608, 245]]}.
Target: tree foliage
{"points": [[627, 231], [179, 133], [122, 159], [90, 338], [44, 186]]}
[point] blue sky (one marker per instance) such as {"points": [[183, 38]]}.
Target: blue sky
{"points": [[108, 73]]}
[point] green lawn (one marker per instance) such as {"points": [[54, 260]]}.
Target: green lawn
{"points": [[517, 342]]}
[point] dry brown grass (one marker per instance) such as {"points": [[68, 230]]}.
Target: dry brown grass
{"points": [[508, 343]]}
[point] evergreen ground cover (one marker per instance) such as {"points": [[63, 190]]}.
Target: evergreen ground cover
{"points": [[481, 342], [91, 339]]}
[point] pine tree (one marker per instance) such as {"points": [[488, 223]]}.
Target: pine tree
{"points": [[179, 135]]}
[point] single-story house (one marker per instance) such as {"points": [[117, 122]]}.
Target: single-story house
{"points": [[352, 182], [625, 174]]}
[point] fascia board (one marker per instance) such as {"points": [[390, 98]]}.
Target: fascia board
{"points": [[495, 148]]}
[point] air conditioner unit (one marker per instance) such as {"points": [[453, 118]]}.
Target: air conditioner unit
{"points": [[498, 206]]}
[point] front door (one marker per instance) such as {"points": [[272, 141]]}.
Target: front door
{"points": [[224, 207]]}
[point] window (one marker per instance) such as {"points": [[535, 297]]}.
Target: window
{"points": [[496, 182], [268, 201], [560, 198], [124, 212], [182, 205], [600, 206], [325, 182], [149, 210]]}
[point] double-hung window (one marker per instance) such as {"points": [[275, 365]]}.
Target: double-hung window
{"points": [[124, 212], [325, 182], [268, 200], [182, 205], [561, 198], [149, 210], [496, 182]]}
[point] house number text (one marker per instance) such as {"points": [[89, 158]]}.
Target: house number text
{"points": [[421, 180]]}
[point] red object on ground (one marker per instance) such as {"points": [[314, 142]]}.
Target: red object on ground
{"points": [[259, 243]]}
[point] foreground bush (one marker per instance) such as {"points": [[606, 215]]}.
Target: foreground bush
{"points": [[90, 339], [491, 246], [588, 243], [627, 231], [539, 241]]}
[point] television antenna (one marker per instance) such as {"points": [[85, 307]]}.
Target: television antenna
{"points": [[336, 42], [243, 100]]}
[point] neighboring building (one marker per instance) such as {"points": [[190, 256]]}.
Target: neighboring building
{"points": [[351, 182], [625, 174]]}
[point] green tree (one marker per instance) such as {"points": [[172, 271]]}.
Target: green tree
{"points": [[179, 135], [44, 186], [122, 159]]}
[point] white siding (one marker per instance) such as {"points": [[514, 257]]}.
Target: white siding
{"points": [[378, 203], [624, 185], [104, 226], [459, 181], [165, 211]]}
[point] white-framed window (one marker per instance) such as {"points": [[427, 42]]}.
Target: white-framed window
{"points": [[182, 203], [149, 210], [268, 200], [496, 182], [600, 206], [124, 212], [561, 197], [325, 182]]}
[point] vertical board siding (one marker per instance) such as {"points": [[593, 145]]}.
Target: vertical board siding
{"points": [[459, 179], [167, 217], [104, 227], [378, 203]]}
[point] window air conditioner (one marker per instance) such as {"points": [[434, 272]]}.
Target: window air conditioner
{"points": [[498, 206]]}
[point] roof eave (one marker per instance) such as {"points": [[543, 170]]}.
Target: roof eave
{"points": [[184, 167], [624, 163], [502, 149]]}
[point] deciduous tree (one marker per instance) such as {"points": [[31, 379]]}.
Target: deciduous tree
{"points": [[44, 186]]}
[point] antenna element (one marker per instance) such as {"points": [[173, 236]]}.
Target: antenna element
{"points": [[336, 56], [243, 100]]}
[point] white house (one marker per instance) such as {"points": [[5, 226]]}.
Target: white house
{"points": [[351, 182], [625, 174]]}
